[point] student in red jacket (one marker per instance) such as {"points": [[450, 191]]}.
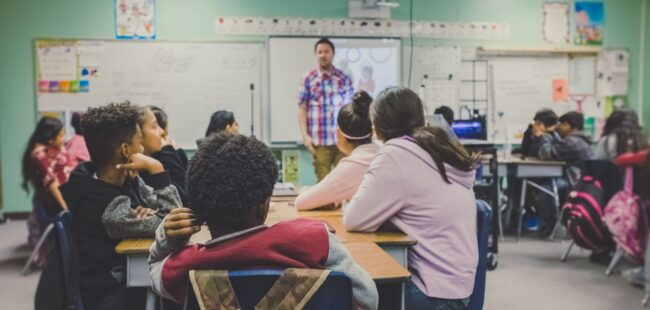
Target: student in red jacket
{"points": [[230, 183]]}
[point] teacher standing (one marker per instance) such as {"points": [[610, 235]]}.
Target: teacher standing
{"points": [[323, 92]]}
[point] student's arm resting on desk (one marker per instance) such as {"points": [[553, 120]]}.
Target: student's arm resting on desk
{"points": [[547, 148], [378, 198], [363, 287], [332, 189], [162, 195], [121, 221]]}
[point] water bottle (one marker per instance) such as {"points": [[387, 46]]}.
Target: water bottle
{"points": [[507, 150]]}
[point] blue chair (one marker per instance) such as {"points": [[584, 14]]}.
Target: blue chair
{"points": [[484, 225], [250, 286], [62, 266]]}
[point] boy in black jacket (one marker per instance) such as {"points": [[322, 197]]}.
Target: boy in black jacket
{"points": [[110, 202]]}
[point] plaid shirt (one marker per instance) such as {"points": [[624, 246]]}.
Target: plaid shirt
{"points": [[324, 93]]}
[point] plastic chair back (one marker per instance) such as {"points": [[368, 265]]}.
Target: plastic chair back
{"points": [[484, 226]]}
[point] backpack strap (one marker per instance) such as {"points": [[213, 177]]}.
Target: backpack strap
{"points": [[293, 289], [213, 290], [629, 179]]}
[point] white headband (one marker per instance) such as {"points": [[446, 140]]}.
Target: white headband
{"points": [[355, 138]]}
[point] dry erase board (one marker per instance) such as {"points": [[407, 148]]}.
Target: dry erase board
{"points": [[521, 85], [189, 80]]}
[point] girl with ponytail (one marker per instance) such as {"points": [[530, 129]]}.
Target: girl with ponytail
{"points": [[421, 182], [354, 139]]}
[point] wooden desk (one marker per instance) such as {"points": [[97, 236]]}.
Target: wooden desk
{"points": [[531, 167], [382, 267], [396, 244]]}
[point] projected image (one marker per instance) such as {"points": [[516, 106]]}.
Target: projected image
{"points": [[372, 66]]}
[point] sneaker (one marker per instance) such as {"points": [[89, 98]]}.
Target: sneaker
{"points": [[602, 257], [635, 276]]}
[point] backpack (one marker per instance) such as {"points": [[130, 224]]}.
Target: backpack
{"points": [[582, 215], [627, 219]]}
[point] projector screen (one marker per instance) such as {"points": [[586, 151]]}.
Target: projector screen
{"points": [[373, 64]]}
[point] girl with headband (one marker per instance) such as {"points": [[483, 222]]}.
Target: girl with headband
{"points": [[354, 139]]}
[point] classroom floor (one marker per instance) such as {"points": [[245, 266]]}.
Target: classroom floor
{"points": [[529, 276]]}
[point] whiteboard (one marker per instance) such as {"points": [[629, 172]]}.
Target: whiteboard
{"points": [[189, 80], [291, 58], [434, 75], [521, 86]]}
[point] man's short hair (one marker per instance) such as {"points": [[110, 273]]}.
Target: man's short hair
{"points": [[546, 116], [574, 119], [325, 41], [228, 177], [105, 128]]}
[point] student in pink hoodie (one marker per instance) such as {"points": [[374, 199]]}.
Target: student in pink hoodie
{"points": [[354, 139], [421, 183], [76, 146]]}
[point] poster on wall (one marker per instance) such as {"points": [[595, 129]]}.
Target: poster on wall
{"points": [[135, 19], [589, 23], [556, 22]]}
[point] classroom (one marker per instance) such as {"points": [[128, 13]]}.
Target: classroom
{"points": [[342, 154]]}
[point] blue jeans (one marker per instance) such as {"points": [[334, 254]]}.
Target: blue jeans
{"points": [[415, 299]]}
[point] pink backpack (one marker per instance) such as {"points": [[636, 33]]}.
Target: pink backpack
{"points": [[626, 219]]}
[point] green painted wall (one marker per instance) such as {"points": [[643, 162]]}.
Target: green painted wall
{"points": [[22, 21], [646, 68]]}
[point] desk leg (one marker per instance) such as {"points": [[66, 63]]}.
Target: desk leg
{"points": [[558, 212], [403, 289], [151, 300], [522, 207]]}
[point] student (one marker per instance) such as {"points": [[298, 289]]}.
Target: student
{"points": [[568, 142], [354, 139], [110, 202], [230, 183], [45, 166], [446, 112], [154, 143], [421, 182], [622, 134], [76, 146], [163, 122], [544, 122], [221, 121]]}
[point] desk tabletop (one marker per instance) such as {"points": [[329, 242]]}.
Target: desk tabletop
{"points": [[380, 265], [517, 160]]}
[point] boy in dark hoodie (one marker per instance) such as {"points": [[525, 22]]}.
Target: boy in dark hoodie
{"points": [[110, 202]]}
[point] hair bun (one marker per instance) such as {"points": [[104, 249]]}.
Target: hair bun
{"points": [[361, 101]]}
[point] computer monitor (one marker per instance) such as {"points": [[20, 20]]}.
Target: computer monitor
{"points": [[436, 120], [470, 129]]}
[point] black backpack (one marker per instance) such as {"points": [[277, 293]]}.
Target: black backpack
{"points": [[582, 215]]}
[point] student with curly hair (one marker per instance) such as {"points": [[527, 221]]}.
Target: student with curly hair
{"points": [[354, 139], [230, 183], [110, 202]]}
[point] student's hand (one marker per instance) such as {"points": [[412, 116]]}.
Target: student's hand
{"points": [[539, 130], [169, 141], [180, 224], [138, 162], [309, 144], [143, 213]]}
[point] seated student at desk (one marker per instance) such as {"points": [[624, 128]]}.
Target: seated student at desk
{"points": [[567, 143], [155, 145], [230, 183], [109, 205], [220, 121], [622, 134], [354, 139], [422, 183], [544, 122]]}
